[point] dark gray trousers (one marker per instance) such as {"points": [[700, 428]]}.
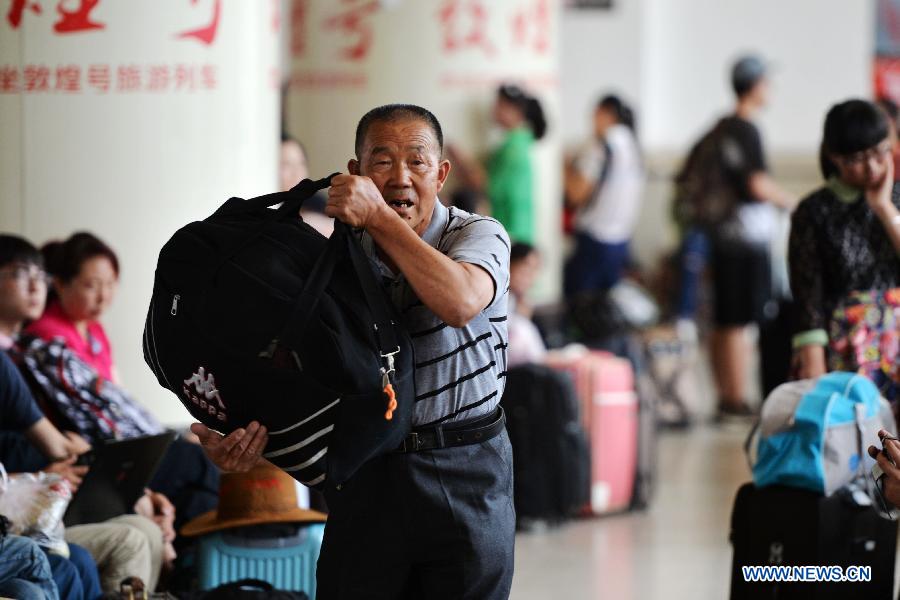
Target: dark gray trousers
{"points": [[437, 524]]}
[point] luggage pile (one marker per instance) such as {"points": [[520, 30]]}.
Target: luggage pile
{"points": [[812, 501]]}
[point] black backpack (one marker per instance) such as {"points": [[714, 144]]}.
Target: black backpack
{"points": [[705, 193], [257, 316]]}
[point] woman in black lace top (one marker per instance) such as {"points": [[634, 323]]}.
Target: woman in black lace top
{"points": [[845, 236]]}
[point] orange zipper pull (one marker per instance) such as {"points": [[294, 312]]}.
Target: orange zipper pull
{"points": [[392, 401]]}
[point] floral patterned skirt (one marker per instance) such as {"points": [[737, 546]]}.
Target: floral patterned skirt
{"points": [[864, 338]]}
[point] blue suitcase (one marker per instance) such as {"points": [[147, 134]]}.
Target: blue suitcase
{"points": [[284, 556]]}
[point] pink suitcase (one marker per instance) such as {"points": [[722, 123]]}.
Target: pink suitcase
{"points": [[605, 385]]}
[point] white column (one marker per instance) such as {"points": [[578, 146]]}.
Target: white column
{"points": [[448, 56], [130, 119]]}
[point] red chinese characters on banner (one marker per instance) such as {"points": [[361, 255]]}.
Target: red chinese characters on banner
{"points": [[464, 25], [159, 78], [299, 12], [68, 78], [207, 33], [69, 20], [9, 80], [208, 77], [353, 22], [75, 16], [17, 8], [184, 77], [99, 77], [276, 16], [37, 78], [129, 78], [76, 20], [531, 27]]}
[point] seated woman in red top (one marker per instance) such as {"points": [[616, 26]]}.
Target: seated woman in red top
{"points": [[85, 276]]}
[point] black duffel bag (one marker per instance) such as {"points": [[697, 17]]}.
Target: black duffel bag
{"points": [[257, 316]]}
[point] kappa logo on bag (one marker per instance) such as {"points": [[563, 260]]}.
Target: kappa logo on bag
{"points": [[201, 390]]}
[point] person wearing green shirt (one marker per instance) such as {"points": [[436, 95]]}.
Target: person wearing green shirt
{"points": [[510, 174], [507, 177]]}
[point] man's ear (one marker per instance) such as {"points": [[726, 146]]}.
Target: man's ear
{"points": [[353, 166], [443, 172]]}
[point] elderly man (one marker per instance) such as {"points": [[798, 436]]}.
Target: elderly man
{"points": [[434, 519]]}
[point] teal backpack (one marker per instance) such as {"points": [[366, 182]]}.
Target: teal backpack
{"points": [[813, 434]]}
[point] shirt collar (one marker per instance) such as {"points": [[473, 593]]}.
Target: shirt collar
{"points": [[439, 218], [6, 342], [845, 193]]}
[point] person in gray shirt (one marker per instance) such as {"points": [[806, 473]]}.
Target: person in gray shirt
{"points": [[435, 518]]}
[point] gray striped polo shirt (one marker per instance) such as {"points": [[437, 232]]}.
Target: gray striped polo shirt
{"points": [[460, 372]]}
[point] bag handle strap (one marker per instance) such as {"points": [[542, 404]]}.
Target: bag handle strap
{"points": [[748, 443], [292, 200], [296, 195], [343, 242], [384, 326]]}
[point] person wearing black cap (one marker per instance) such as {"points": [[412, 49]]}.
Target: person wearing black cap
{"points": [[739, 243]]}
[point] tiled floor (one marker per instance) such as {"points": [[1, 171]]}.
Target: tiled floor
{"points": [[678, 549]]}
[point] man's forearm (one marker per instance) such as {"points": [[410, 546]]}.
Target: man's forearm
{"points": [[453, 291]]}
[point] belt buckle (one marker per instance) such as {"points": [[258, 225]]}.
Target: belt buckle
{"points": [[413, 440]]}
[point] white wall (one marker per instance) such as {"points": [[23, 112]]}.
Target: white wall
{"points": [[601, 52], [821, 52], [132, 167], [672, 58]]}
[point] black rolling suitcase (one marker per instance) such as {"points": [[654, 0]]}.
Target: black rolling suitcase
{"points": [[775, 348], [550, 449], [792, 527]]}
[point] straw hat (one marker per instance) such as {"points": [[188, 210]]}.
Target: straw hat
{"points": [[264, 494]]}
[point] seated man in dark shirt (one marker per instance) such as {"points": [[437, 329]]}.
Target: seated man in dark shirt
{"points": [[28, 440]]}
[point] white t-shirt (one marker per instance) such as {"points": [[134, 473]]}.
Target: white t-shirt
{"points": [[611, 213]]}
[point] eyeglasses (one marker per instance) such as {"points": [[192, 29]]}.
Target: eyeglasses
{"points": [[24, 275], [863, 156]]}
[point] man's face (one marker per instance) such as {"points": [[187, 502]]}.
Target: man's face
{"points": [[403, 159], [23, 292], [760, 92]]}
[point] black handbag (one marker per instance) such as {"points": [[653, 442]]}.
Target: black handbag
{"points": [[249, 589], [257, 316]]}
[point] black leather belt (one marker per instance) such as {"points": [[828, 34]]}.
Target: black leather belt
{"points": [[449, 435]]}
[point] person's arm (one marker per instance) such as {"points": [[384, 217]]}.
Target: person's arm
{"points": [[805, 264], [582, 174], [576, 186], [455, 291], [51, 442], [764, 189], [760, 184], [159, 509]]}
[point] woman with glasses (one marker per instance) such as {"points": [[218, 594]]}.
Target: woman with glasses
{"points": [[843, 255]]}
